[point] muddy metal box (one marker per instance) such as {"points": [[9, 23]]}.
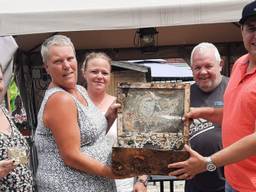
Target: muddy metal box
{"points": [[150, 130]]}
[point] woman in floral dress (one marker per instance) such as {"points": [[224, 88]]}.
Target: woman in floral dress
{"points": [[15, 174]]}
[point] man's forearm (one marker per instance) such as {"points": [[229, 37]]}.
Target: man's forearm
{"points": [[209, 113], [216, 115], [238, 151]]}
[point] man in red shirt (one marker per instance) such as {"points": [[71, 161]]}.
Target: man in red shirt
{"points": [[238, 118]]}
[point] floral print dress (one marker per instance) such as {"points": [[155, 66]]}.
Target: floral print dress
{"points": [[20, 179]]}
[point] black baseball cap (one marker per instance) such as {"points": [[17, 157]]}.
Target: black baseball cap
{"points": [[248, 11]]}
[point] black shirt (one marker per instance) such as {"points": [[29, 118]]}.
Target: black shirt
{"points": [[205, 138]]}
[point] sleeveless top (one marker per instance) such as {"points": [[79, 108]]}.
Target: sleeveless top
{"points": [[205, 137], [20, 179], [52, 174]]}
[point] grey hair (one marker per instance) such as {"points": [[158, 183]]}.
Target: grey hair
{"points": [[1, 68], [57, 40], [93, 55], [203, 47]]}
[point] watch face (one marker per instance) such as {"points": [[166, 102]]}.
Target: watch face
{"points": [[211, 167]]}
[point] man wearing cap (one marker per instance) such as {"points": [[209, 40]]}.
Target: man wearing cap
{"points": [[238, 118]]}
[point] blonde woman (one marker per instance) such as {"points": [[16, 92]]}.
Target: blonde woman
{"points": [[96, 70]]}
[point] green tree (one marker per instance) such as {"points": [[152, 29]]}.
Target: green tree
{"points": [[13, 91]]}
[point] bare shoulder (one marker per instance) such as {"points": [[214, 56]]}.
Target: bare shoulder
{"points": [[59, 107], [60, 99], [108, 100], [111, 98]]}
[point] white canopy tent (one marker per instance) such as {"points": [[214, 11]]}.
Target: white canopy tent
{"points": [[34, 16], [8, 48]]}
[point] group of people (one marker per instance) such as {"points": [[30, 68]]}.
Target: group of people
{"points": [[73, 150]]}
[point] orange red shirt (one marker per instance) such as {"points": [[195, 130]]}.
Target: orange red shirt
{"points": [[239, 118]]}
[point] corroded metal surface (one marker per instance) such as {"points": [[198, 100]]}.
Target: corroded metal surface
{"points": [[132, 161], [151, 115], [151, 132]]}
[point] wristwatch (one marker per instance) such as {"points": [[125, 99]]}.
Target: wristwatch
{"points": [[210, 166]]}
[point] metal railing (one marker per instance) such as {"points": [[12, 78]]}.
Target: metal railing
{"points": [[162, 180]]}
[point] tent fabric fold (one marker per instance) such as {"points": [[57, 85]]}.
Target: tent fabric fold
{"points": [[28, 17]]}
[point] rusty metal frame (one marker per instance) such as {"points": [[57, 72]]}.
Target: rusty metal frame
{"points": [[130, 136], [141, 150]]}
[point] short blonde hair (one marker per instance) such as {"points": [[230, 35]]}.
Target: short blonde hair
{"points": [[59, 40]]}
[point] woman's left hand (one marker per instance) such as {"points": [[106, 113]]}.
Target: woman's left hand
{"points": [[6, 166], [139, 187], [111, 113]]}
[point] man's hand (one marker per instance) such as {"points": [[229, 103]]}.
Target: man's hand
{"points": [[189, 168], [209, 113]]}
